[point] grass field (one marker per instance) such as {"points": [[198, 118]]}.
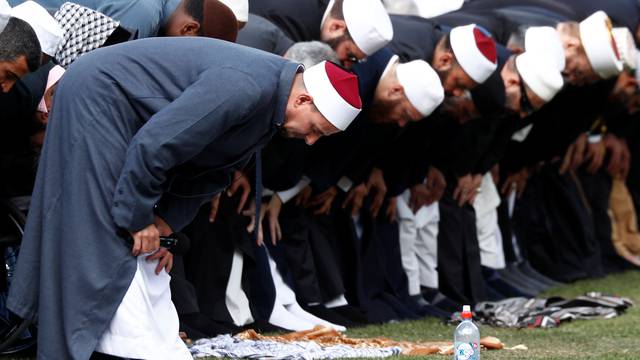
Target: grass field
{"points": [[615, 339]]}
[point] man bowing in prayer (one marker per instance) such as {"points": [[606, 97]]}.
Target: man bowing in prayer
{"points": [[138, 140]]}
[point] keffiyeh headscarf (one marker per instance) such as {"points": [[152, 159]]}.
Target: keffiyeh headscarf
{"points": [[84, 30]]}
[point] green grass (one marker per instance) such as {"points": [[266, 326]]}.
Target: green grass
{"points": [[615, 339]]}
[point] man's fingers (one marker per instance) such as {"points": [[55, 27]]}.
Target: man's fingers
{"points": [[243, 199], [323, 209], [456, 192], [164, 260], [348, 200], [137, 245], [278, 231], [215, 202], [252, 223], [506, 186], [156, 255], [169, 264], [272, 231], [260, 236], [377, 204], [566, 161]]}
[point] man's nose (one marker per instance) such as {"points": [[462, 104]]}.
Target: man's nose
{"points": [[6, 85], [311, 139]]}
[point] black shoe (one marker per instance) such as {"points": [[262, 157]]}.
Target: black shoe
{"points": [[439, 300], [351, 313], [515, 277], [198, 325], [526, 269], [426, 309], [329, 315], [262, 327], [493, 280]]}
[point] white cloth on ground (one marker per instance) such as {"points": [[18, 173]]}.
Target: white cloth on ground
{"points": [[229, 347], [145, 325]]}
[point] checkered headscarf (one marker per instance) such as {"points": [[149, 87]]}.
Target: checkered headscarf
{"points": [[84, 30]]}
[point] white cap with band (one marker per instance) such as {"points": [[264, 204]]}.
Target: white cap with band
{"points": [[43, 24], [545, 39], [475, 51], [240, 8], [368, 23], [540, 73], [335, 93], [599, 44], [421, 85], [626, 46], [5, 14]]}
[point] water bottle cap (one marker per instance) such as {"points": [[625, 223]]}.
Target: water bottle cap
{"points": [[466, 312]]}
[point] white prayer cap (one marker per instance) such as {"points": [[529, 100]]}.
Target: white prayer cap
{"points": [[626, 46], [54, 76], [421, 85], [5, 14], [240, 8], [540, 74], [335, 93], [598, 43], [638, 66], [433, 8], [475, 51], [545, 39], [368, 23], [44, 25]]}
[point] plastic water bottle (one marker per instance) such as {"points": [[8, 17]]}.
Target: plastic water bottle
{"points": [[466, 338]]}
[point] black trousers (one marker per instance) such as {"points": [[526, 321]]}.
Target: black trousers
{"points": [[597, 189], [208, 262], [554, 224], [459, 269]]}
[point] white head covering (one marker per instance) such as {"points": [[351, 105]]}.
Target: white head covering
{"points": [[5, 14], [55, 74], [545, 39], [45, 26], [626, 46], [432, 8], [240, 8], [421, 84], [471, 45], [598, 43], [368, 23], [540, 73], [330, 99]]}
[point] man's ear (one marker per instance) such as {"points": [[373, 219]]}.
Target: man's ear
{"points": [[190, 28], [396, 91], [444, 62], [302, 99], [572, 43], [513, 81], [517, 50], [336, 27]]}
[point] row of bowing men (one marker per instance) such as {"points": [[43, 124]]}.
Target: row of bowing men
{"points": [[481, 166]]}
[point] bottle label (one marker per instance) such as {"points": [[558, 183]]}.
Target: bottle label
{"points": [[467, 351]]}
